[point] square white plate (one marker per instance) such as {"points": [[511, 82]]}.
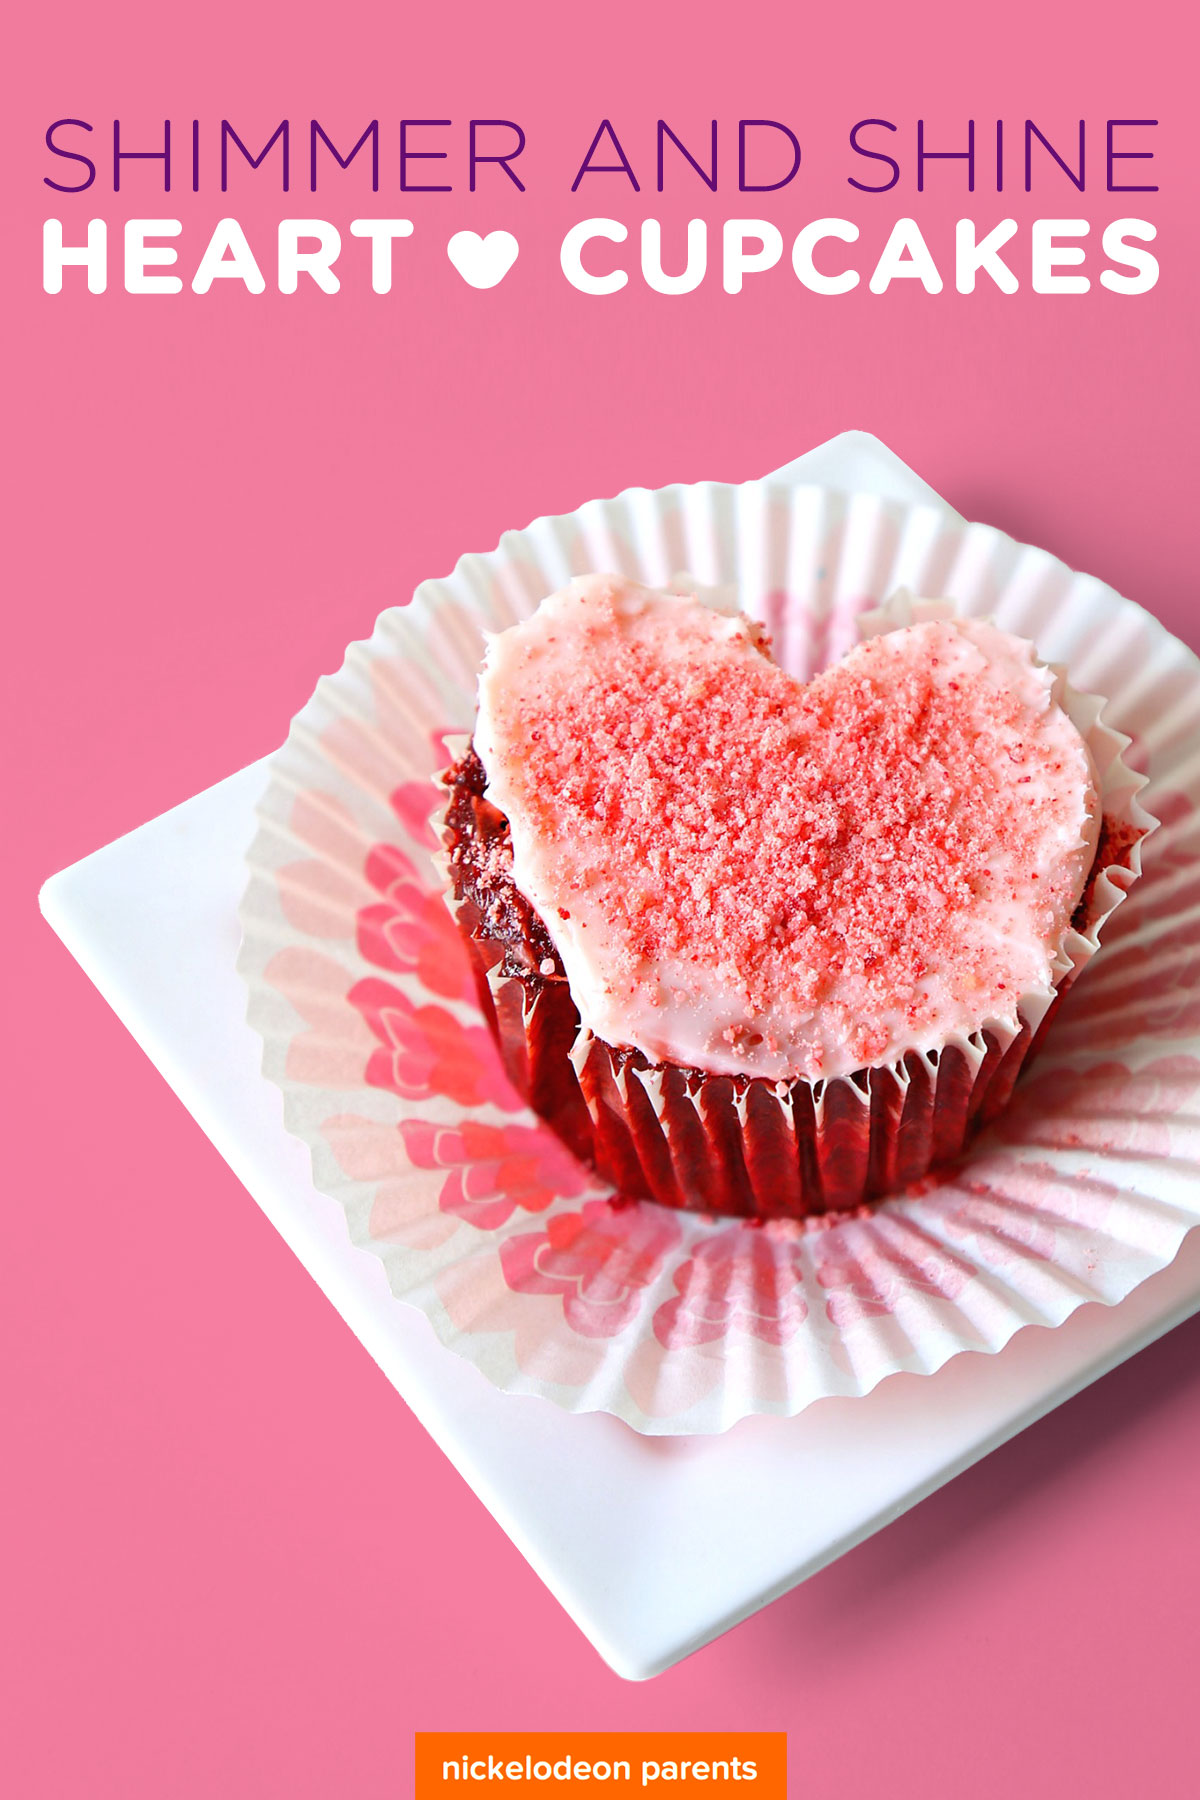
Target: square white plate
{"points": [[653, 1546]]}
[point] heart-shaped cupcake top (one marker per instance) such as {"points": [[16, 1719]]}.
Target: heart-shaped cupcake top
{"points": [[749, 875]]}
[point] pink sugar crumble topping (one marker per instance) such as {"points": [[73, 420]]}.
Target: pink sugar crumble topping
{"points": [[750, 875]]}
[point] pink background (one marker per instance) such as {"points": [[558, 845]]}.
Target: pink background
{"points": [[235, 1560]]}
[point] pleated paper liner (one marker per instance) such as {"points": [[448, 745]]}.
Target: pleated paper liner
{"points": [[523, 1261]]}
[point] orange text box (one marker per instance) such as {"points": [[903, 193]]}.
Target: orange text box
{"points": [[701, 1765]]}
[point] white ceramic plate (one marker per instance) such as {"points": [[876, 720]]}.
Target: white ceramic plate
{"points": [[653, 1548]]}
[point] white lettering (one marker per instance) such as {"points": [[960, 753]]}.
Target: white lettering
{"points": [[139, 256], [802, 256], [56, 256], [1047, 256], [294, 262], [970, 256], [228, 257], [1118, 250], [570, 256], [906, 256], [738, 261], [382, 233], [697, 258]]}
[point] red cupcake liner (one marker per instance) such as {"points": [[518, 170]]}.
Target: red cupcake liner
{"points": [[740, 1146]]}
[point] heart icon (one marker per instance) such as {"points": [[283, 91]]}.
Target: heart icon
{"points": [[483, 261]]}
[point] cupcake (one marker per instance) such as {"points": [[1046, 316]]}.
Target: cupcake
{"points": [[768, 949]]}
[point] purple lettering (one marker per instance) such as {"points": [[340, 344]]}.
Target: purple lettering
{"points": [[967, 156], [621, 167], [282, 133], [407, 156], [74, 156], [1115, 155], [1031, 132], [344, 162], [163, 156], [477, 156], [665, 132], [865, 187], [764, 187]]}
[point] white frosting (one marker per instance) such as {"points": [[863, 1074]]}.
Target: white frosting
{"points": [[667, 785]]}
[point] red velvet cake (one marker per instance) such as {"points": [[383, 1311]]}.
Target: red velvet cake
{"points": [[758, 947]]}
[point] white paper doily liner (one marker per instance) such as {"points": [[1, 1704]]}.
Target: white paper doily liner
{"points": [[361, 992]]}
